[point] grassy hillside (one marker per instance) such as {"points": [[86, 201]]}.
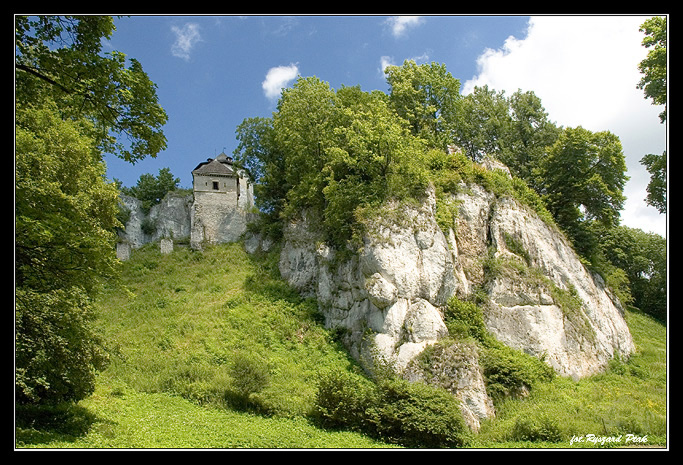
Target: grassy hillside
{"points": [[212, 350]]}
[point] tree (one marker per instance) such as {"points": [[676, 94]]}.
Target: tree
{"points": [[653, 82], [483, 123], [642, 256], [583, 179], [329, 153], [656, 188], [65, 213], [70, 104], [427, 97], [59, 58], [653, 67], [304, 126], [152, 189], [529, 134]]}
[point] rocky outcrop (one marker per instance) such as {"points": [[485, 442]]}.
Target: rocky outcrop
{"points": [[168, 219], [390, 296]]}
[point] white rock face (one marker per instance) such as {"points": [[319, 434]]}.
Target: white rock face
{"points": [[576, 341], [171, 218], [391, 295]]}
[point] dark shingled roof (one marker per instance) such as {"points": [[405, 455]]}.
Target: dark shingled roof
{"points": [[219, 166]]}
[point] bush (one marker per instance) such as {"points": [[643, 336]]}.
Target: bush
{"points": [[250, 375], [419, 416], [394, 410], [537, 428], [342, 400], [465, 319], [509, 372]]}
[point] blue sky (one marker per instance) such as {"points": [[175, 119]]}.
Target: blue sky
{"points": [[212, 72]]}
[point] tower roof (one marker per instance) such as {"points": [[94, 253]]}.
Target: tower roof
{"points": [[219, 166]]}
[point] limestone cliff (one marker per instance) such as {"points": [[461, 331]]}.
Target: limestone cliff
{"points": [[169, 218], [390, 296]]}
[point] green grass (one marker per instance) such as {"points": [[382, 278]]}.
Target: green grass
{"points": [[629, 398], [176, 325]]}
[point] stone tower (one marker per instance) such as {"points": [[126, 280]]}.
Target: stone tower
{"points": [[223, 201]]}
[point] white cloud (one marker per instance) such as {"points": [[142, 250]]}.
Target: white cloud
{"points": [[585, 70], [384, 61], [277, 78], [400, 24], [186, 38]]}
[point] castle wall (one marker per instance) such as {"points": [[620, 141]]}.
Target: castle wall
{"points": [[220, 215]]}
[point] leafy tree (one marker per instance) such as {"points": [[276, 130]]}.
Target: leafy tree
{"points": [[260, 156], [656, 188], [427, 97], [642, 256], [483, 123], [583, 179], [653, 82], [653, 67], [304, 126], [328, 153], [152, 189], [59, 58], [71, 104], [529, 134], [65, 213]]}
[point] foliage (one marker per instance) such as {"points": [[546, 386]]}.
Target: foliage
{"points": [[416, 415], [483, 123], [427, 97], [71, 103], [152, 189], [342, 399], [507, 372], [538, 428], [250, 375], [65, 214], [59, 59], [330, 153], [656, 188], [465, 319], [642, 257], [653, 67], [583, 180], [529, 135], [411, 414]]}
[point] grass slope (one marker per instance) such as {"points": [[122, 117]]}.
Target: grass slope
{"points": [[177, 324]]}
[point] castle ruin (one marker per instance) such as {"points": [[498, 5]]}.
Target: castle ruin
{"points": [[217, 212]]}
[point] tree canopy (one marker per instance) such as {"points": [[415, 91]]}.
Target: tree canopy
{"points": [[60, 58], [338, 155], [71, 103], [653, 83]]}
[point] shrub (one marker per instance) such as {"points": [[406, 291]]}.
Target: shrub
{"points": [[537, 428], [508, 371], [342, 400], [250, 375], [465, 319], [417, 415], [394, 410]]}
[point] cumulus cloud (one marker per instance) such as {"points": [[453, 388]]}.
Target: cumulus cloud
{"points": [[384, 61], [400, 24], [585, 70], [186, 38], [277, 78]]}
